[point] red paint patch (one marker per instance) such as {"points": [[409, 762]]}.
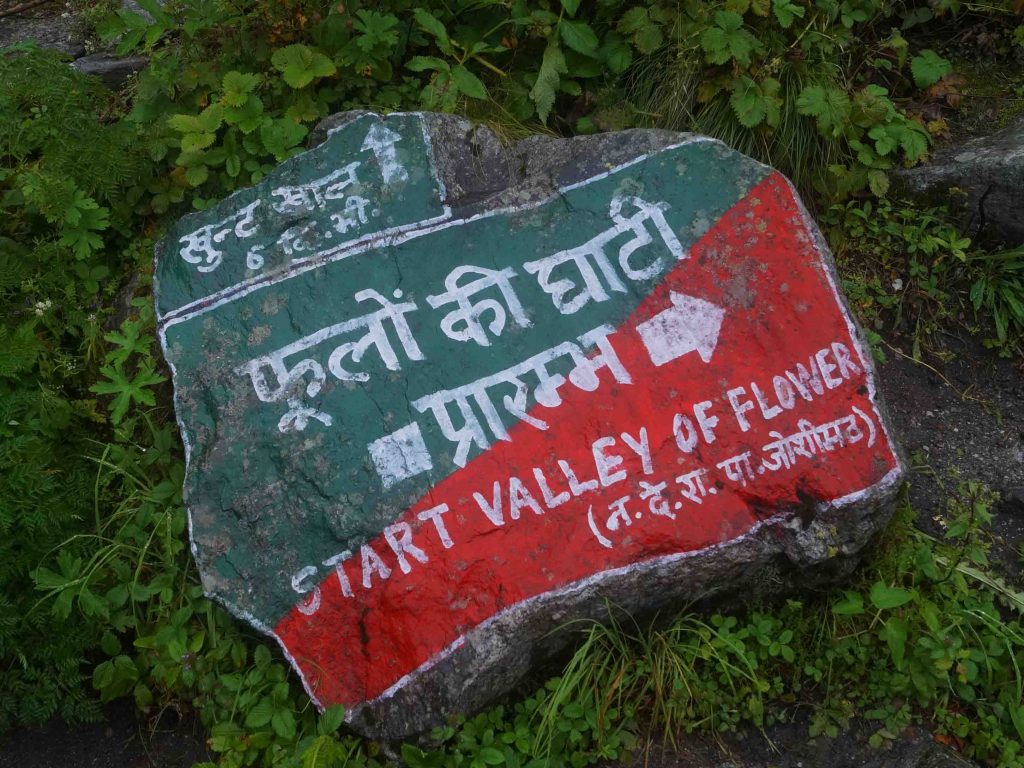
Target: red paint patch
{"points": [[759, 264]]}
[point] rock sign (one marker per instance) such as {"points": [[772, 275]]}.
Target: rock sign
{"points": [[441, 396]]}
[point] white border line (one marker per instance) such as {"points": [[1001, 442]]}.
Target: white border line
{"points": [[328, 257], [446, 213], [596, 578], [889, 479], [388, 238]]}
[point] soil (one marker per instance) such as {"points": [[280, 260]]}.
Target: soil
{"points": [[787, 746], [123, 741], [957, 422]]}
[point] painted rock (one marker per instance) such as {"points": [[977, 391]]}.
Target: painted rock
{"points": [[441, 396]]}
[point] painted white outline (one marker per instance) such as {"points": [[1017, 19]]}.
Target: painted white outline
{"points": [[446, 213], [327, 257], [388, 238]]}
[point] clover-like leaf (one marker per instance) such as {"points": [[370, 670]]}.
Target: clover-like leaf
{"points": [[281, 135], [787, 12], [300, 65], [928, 68], [755, 103], [829, 106], [237, 87], [727, 39], [641, 29]]}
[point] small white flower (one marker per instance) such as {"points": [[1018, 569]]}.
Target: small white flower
{"points": [[897, 284]]}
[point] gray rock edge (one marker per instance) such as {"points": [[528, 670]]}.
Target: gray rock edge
{"points": [[778, 556], [981, 179]]}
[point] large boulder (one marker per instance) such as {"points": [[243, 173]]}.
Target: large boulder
{"points": [[982, 180], [442, 396]]}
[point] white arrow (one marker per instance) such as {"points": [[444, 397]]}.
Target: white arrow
{"points": [[381, 141], [689, 324]]}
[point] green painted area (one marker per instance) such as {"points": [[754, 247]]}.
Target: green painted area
{"points": [[307, 204], [265, 503]]}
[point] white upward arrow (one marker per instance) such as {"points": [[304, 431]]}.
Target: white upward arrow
{"points": [[689, 324], [381, 141]]}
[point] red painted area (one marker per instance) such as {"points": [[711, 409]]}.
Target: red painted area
{"points": [[759, 264]]}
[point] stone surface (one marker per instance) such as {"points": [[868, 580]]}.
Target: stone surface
{"points": [[663, 396], [982, 178], [61, 32], [114, 71]]}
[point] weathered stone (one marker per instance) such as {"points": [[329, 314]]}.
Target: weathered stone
{"points": [[114, 71], [659, 395], [981, 179], [64, 33]]}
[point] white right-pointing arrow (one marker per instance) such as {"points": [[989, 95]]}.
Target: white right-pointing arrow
{"points": [[689, 324]]}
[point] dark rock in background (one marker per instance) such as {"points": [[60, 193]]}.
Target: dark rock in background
{"points": [[53, 28], [982, 179], [114, 71]]}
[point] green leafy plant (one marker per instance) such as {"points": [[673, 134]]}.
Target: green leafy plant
{"points": [[913, 270], [928, 634]]}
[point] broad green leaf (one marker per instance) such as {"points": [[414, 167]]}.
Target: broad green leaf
{"points": [[930, 613], [261, 714], [321, 753], [852, 604], [281, 135], [425, 63], [185, 123], [895, 632], [468, 83], [641, 29], [884, 597], [634, 20], [47, 579], [378, 30], [433, 25], [492, 756], [928, 68], [615, 53], [301, 65], [728, 40], [193, 142], [283, 723], [648, 39], [787, 12], [579, 36], [237, 87], [197, 174], [913, 141], [829, 106], [878, 182], [332, 719], [571, 6], [552, 67], [748, 102]]}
